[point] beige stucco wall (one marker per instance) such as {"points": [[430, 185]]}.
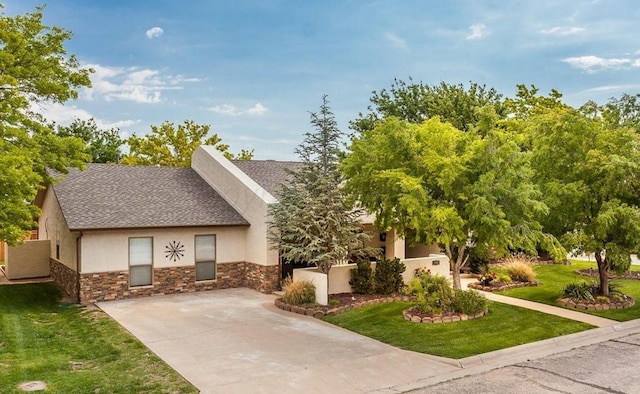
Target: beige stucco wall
{"points": [[339, 275], [421, 250], [108, 250], [29, 260], [53, 227], [244, 194]]}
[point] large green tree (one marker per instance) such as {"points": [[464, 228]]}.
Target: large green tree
{"points": [[455, 188], [312, 222], [417, 102], [34, 68], [588, 169], [103, 145], [172, 146]]}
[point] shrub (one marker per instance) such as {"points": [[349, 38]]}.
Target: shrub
{"points": [[362, 278], [468, 302], [299, 293], [578, 291], [486, 276], [503, 277], [433, 293], [520, 271], [388, 276]]}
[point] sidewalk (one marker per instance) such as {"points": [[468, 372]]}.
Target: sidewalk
{"points": [[544, 308]]}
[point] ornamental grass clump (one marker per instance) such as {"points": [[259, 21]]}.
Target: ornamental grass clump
{"points": [[520, 271], [299, 293]]}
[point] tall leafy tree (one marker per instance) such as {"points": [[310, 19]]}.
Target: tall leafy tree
{"points": [[417, 102], [589, 172], [312, 222], [34, 68], [103, 145], [172, 146], [458, 189]]}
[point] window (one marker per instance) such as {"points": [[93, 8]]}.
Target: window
{"points": [[205, 257], [140, 261]]}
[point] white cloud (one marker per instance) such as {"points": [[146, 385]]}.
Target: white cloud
{"points": [[592, 64], [257, 109], [231, 110], [65, 114], [396, 41], [131, 84], [154, 32], [479, 30], [563, 30]]}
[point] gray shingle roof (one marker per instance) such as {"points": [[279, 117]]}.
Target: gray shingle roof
{"points": [[117, 196], [267, 173]]}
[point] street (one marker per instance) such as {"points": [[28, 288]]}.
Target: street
{"points": [[607, 367]]}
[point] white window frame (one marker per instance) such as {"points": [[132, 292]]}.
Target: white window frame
{"points": [[208, 260], [136, 264]]}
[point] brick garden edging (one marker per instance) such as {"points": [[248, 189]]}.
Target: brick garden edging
{"points": [[586, 306], [506, 286], [441, 319], [320, 311]]}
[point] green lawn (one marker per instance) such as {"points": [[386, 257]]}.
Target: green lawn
{"points": [[505, 326], [40, 338], [553, 279]]}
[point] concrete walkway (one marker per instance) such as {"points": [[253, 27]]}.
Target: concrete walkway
{"points": [[544, 308]]}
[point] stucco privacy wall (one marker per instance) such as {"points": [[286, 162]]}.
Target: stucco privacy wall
{"points": [[108, 250], [242, 193], [53, 227], [339, 275], [29, 260]]}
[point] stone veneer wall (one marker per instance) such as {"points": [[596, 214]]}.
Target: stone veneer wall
{"points": [[65, 277], [109, 286], [263, 278]]}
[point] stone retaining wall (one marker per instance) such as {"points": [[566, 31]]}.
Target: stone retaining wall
{"points": [[320, 311], [65, 277], [440, 319], [589, 306]]}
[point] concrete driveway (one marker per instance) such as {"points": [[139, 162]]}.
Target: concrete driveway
{"points": [[236, 341]]}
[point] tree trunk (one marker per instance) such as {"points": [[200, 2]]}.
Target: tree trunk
{"points": [[456, 268], [603, 273]]}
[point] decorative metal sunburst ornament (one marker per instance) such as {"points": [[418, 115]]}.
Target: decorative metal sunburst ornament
{"points": [[174, 251]]}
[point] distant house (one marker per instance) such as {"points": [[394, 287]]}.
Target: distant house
{"points": [[118, 232]]}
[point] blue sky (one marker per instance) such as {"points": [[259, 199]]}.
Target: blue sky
{"points": [[254, 69]]}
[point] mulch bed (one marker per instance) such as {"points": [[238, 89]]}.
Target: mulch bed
{"points": [[345, 302], [500, 286]]}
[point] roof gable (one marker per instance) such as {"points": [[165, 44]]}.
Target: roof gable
{"points": [[117, 196], [269, 174]]}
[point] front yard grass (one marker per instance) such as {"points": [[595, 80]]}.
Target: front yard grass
{"points": [[41, 338], [553, 279], [505, 326]]}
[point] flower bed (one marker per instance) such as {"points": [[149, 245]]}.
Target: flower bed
{"points": [[612, 303], [500, 286], [345, 303], [414, 314]]}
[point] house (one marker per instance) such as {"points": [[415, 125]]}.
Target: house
{"points": [[118, 232]]}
